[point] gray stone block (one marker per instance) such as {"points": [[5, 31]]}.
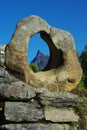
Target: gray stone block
{"points": [[16, 91], [60, 115], [19, 111], [37, 126]]}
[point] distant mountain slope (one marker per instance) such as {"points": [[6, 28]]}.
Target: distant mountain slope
{"points": [[41, 59]]}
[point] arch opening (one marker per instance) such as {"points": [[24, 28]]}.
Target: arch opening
{"points": [[44, 54], [38, 53]]}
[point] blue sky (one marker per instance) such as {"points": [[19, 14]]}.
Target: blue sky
{"points": [[70, 15]]}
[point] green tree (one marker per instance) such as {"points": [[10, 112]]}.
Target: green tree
{"points": [[34, 67], [83, 61]]}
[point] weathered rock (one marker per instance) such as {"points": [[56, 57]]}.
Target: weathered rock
{"points": [[61, 99], [19, 111], [6, 77], [63, 71], [2, 55], [37, 126], [60, 115], [2, 49], [16, 91]]}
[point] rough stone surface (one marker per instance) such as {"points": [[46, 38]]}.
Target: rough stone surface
{"points": [[63, 71], [2, 55], [60, 99], [19, 111], [60, 115], [37, 126], [17, 90], [6, 77]]}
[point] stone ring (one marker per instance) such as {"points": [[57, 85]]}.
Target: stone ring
{"points": [[63, 71]]}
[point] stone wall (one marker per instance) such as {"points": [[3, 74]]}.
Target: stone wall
{"points": [[43, 100], [23, 107]]}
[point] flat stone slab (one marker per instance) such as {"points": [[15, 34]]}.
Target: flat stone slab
{"points": [[61, 99], [60, 115], [16, 91], [19, 111], [37, 126]]}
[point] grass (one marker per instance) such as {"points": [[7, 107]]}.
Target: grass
{"points": [[81, 107]]}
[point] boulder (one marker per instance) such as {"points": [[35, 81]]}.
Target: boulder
{"points": [[63, 71]]}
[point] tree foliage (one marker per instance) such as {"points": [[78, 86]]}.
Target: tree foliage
{"points": [[34, 67], [83, 61]]}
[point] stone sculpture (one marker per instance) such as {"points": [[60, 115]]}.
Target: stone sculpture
{"points": [[63, 71]]}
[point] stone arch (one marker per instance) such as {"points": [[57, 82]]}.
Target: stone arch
{"points": [[62, 73]]}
